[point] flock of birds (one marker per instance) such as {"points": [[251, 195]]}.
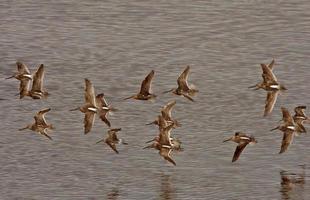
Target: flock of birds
{"points": [[163, 142]]}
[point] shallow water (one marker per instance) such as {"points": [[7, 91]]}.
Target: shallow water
{"points": [[115, 44]]}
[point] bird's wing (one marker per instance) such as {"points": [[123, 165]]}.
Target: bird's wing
{"points": [[239, 150], [22, 68], [166, 110], [43, 132], [288, 136], [166, 154], [90, 93], [182, 80], [37, 84], [100, 100], [267, 72], [287, 118], [146, 84], [112, 145], [270, 66], [24, 87], [88, 121], [40, 117], [270, 102]]}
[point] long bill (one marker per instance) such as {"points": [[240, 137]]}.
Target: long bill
{"points": [[100, 141], [74, 109], [227, 140], [21, 129], [275, 128], [168, 91], [150, 141], [131, 97], [10, 77]]}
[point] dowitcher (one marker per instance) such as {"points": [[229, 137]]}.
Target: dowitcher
{"points": [[164, 128], [40, 124], [145, 91], [165, 144], [183, 87], [104, 108], [112, 140], [22, 72], [166, 113], [270, 82], [243, 140], [89, 107], [37, 91], [288, 128]]}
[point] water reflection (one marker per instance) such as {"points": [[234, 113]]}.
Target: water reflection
{"points": [[113, 195], [292, 184], [167, 191]]}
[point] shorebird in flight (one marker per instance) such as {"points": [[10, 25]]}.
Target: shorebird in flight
{"points": [[22, 72], [112, 140], [145, 91], [166, 114], [288, 128], [164, 142], [104, 109], [94, 105], [23, 75], [299, 118], [40, 124], [183, 87], [243, 140], [271, 85], [90, 107]]}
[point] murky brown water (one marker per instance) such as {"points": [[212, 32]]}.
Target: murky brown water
{"points": [[115, 44]]}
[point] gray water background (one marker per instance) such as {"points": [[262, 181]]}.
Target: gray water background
{"points": [[115, 44]]}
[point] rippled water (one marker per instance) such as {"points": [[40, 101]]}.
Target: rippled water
{"points": [[115, 44]]}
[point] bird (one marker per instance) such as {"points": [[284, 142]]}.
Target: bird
{"points": [[165, 143], [183, 87], [112, 140], [90, 106], [288, 129], [145, 91], [37, 91], [166, 113], [104, 109], [270, 82], [40, 125], [243, 140], [163, 126], [271, 85], [22, 72]]}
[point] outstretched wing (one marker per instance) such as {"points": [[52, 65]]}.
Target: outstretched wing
{"points": [[270, 66], [90, 93], [166, 154], [268, 74], [239, 150], [146, 84], [287, 118], [270, 102], [182, 80], [100, 100], [299, 111], [166, 111], [88, 121], [22, 68], [40, 117], [43, 132], [112, 145], [288, 136], [37, 84], [24, 87]]}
